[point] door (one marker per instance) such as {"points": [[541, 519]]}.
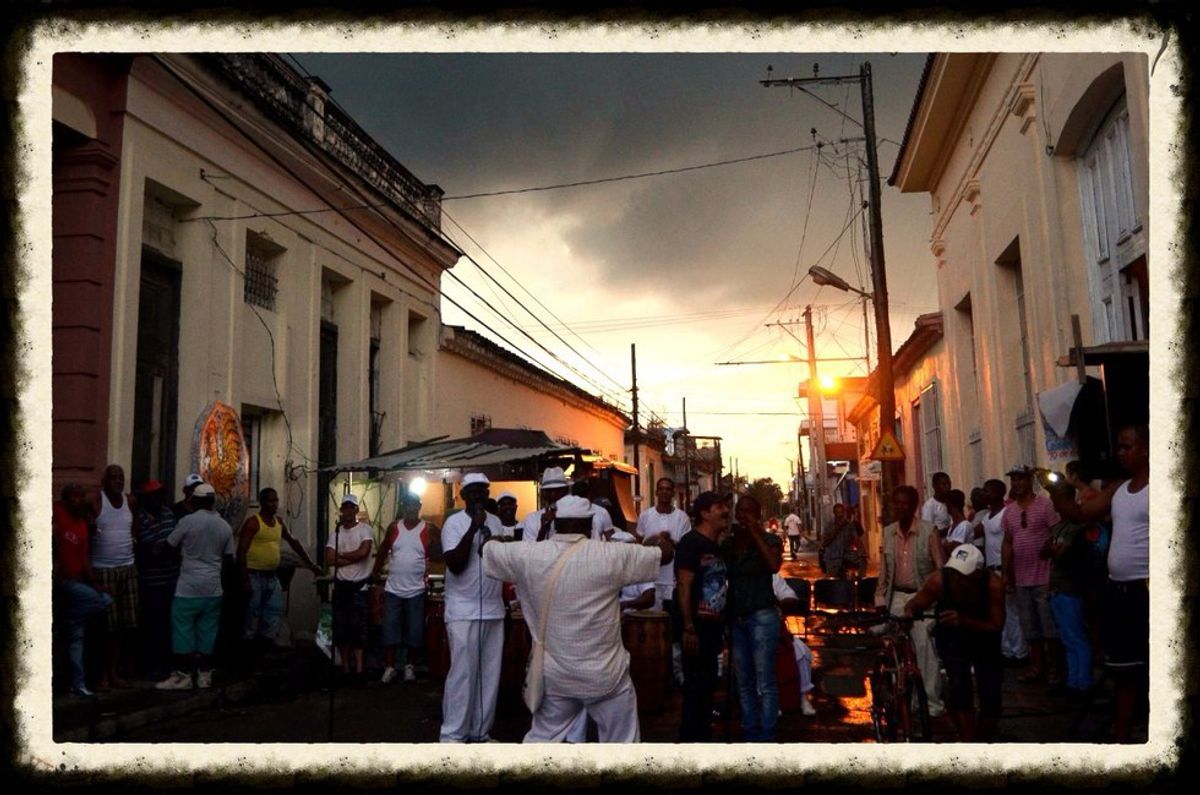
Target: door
{"points": [[326, 427], [156, 382]]}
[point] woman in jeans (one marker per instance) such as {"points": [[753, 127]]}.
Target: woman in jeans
{"points": [[752, 556]]}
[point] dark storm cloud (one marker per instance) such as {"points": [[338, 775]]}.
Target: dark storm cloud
{"points": [[484, 122]]}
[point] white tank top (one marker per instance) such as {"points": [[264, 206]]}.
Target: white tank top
{"points": [[408, 562], [113, 543], [1129, 551]]}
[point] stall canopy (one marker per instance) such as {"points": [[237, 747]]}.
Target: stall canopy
{"points": [[503, 451]]}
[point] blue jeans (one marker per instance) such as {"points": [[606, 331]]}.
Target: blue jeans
{"points": [[81, 602], [265, 608], [755, 637], [1068, 615]]}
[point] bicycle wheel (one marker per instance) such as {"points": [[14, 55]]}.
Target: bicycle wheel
{"points": [[883, 703], [918, 727]]}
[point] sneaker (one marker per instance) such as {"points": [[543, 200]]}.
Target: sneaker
{"points": [[178, 680], [82, 692], [389, 674], [806, 707], [410, 674], [204, 680]]}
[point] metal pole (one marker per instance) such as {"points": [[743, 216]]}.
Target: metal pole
{"points": [[816, 422], [637, 460], [883, 330]]}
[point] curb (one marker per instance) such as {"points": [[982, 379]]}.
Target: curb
{"points": [[108, 728]]}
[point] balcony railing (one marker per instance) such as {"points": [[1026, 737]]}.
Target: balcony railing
{"points": [[299, 104]]}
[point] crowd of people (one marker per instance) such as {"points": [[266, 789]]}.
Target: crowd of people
{"points": [[1053, 581], [1009, 577]]}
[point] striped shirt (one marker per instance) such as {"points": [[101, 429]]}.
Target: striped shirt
{"points": [[1037, 517]]}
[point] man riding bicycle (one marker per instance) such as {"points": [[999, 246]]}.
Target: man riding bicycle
{"points": [[970, 618]]}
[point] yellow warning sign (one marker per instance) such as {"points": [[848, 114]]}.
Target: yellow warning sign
{"points": [[888, 448]]}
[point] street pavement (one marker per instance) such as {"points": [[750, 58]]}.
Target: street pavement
{"points": [[290, 701]]}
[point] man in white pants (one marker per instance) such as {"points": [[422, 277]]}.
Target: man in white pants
{"points": [[474, 620], [586, 664]]}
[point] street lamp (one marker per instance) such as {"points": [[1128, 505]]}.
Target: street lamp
{"points": [[885, 384]]}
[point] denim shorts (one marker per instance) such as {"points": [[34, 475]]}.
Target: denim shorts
{"points": [[403, 620]]}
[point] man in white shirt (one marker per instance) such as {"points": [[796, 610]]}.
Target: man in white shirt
{"points": [[791, 525], [539, 525], [998, 556], [935, 510], [474, 620], [506, 512], [586, 664], [664, 519], [601, 519]]}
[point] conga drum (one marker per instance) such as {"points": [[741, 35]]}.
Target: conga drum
{"points": [[437, 645], [647, 637], [787, 674], [512, 666]]}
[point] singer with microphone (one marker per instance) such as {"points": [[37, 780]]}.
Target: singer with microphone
{"points": [[474, 619]]}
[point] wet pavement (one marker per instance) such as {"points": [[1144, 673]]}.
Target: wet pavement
{"points": [[291, 702]]}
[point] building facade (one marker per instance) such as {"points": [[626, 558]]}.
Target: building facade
{"points": [[1037, 171]]}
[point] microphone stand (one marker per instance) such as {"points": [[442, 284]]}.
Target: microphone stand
{"points": [[337, 534]]}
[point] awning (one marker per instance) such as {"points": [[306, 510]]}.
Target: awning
{"points": [[600, 462], [1096, 355], [491, 448]]}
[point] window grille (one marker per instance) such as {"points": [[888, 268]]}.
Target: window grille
{"points": [[261, 284], [480, 423]]}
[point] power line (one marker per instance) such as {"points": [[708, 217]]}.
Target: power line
{"points": [[624, 177]]}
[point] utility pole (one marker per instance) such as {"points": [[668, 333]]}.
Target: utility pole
{"points": [[816, 426], [802, 491], [867, 251], [879, 295], [637, 460]]}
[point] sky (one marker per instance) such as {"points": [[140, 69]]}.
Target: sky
{"points": [[691, 267]]}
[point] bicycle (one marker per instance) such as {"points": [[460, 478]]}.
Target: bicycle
{"points": [[899, 704]]}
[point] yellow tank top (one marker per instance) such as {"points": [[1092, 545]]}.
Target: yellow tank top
{"points": [[263, 554]]}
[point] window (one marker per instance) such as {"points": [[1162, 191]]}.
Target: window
{"points": [[1112, 226], [261, 283], [373, 397], [480, 423], [1027, 437], [931, 429], [252, 422]]}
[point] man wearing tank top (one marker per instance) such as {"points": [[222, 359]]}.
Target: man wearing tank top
{"points": [[405, 550], [112, 552], [1126, 635], [258, 560]]}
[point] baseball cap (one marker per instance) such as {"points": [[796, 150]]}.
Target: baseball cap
{"points": [[475, 479], [1020, 469], [554, 478], [351, 498], [965, 559], [571, 507], [192, 480], [506, 495], [203, 490]]}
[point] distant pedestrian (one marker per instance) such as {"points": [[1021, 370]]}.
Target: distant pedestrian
{"points": [[113, 561], [158, 569], [839, 539], [1067, 550], [78, 595], [961, 531], [791, 526], [348, 552], [474, 618], [258, 556], [935, 510], [405, 551], [702, 590], [1028, 520], [204, 539]]}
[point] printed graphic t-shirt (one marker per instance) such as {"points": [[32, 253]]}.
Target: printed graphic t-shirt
{"points": [[701, 555]]}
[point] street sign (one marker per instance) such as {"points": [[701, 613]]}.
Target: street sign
{"points": [[869, 470], [888, 448]]}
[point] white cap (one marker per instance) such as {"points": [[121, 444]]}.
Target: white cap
{"points": [[965, 559], [506, 495], [192, 480], [474, 479], [203, 490], [351, 498], [554, 478], [572, 507]]}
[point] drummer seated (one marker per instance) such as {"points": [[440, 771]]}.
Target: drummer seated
{"points": [[633, 597]]}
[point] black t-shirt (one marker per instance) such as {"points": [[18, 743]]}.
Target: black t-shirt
{"points": [[751, 588], [701, 555]]}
